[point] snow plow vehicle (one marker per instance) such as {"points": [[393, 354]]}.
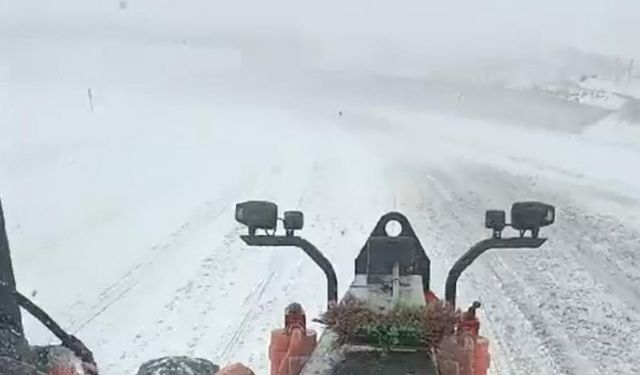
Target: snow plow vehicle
{"points": [[389, 320]]}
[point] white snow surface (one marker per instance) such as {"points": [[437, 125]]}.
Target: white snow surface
{"points": [[121, 219]]}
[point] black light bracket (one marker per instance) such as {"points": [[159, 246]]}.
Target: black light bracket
{"points": [[526, 217], [265, 214]]}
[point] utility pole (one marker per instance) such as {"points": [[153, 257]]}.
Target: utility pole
{"points": [[90, 95]]}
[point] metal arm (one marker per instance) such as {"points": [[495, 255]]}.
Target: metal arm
{"points": [[478, 249], [12, 340], [69, 341], [309, 249]]}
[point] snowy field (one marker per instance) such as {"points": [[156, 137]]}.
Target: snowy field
{"points": [[120, 202]]}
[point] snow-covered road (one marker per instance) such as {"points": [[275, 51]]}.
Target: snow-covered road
{"points": [[121, 219]]}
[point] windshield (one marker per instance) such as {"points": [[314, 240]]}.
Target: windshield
{"points": [[129, 129]]}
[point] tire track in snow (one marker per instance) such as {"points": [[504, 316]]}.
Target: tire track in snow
{"points": [[596, 256], [270, 296], [429, 205], [158, 254], [553, 334], [585, 317], [610, 276], [187, 316], [187, 313], [445, 211], [499, 312], [563, 351], [199, 313], [116, 291], [252, 311]]}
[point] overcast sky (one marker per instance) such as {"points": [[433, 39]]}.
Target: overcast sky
{"points": [[608, 26]]}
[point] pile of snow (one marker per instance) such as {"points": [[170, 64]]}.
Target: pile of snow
{"points": [[622, 127], [629, 87], [594, 97]]}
